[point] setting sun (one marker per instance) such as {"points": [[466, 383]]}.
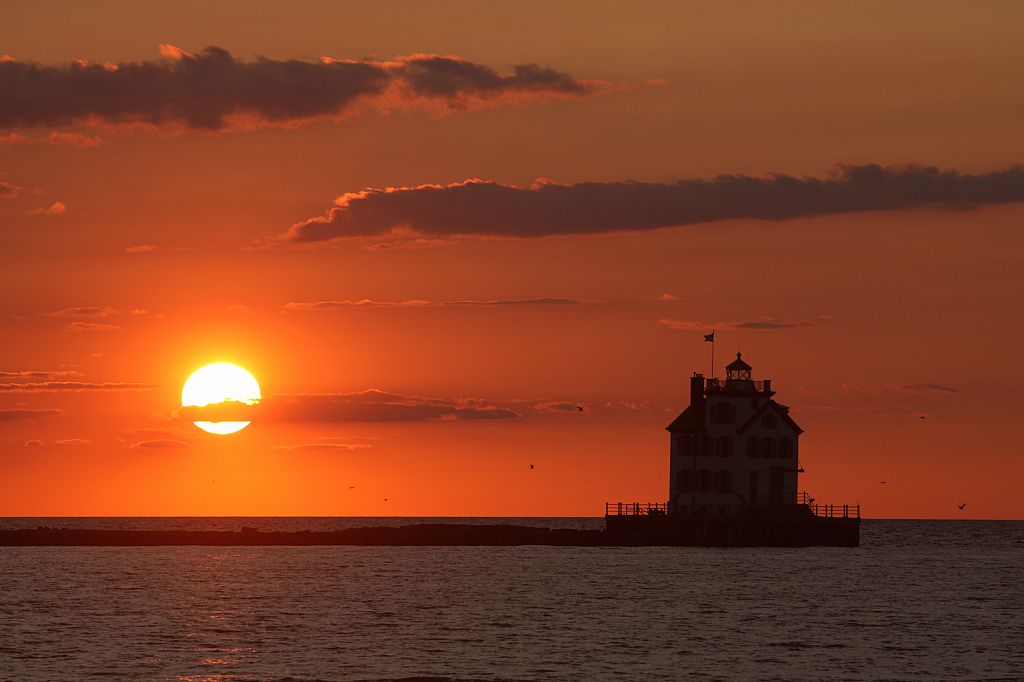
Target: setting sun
{"points": [[218, 383]]}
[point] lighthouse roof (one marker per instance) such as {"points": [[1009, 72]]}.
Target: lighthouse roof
{"points": [[738, 365]]}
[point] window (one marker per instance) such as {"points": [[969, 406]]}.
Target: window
{"points": [[723, 413], [785, 447], [705, 446], [724, 481], [683, 445], [705, 481], [683, 477], [769, 421], [723, 446], [752, 447], [769, 448]]}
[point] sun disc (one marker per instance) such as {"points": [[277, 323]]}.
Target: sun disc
{"points": [[217, 383]]}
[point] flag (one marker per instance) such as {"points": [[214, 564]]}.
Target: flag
{"points": [[710, 337]]}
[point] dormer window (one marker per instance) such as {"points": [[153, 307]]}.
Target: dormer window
{"points": [[769, 421]]}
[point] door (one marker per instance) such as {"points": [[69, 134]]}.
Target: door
{"points": [[775, 485]]}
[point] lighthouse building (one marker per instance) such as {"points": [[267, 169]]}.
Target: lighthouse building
{"points": [[734, 448]]}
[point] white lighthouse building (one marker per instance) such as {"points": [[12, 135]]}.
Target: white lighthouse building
{"points": [[734, 448]]}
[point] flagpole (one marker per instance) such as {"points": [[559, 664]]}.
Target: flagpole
{"points": [[711, 337]]}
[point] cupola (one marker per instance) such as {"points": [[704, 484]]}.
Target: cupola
{"points": [[737, 374]]}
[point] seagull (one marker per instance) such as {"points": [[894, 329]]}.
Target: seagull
{"points": [[961, 506], [351, 487], [531, 466], [881, 483], [579, 408]]}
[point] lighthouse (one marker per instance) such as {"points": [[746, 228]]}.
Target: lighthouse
{"points": [[734, 450]]}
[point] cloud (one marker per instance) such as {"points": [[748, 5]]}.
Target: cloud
{"points": [[54, 139], [58, 209], [765, 323], [561, 406], [33, 443], [9, 191], [77, 386], [212, 91], [860, 388], [12, 415], [686, 326], [808, 391], [477, 208], [924, 388], [768, 323], [873, 409], [366, 406], [85, 311], [321, 447], [90, 327], [367, 303], [153, 433], [40, 375], [669, 297], [149, 248], [73, 441], [161, 444]]}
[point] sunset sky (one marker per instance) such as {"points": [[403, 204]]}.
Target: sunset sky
{"points": [[432, 231]]}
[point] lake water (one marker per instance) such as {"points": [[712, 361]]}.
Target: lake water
{"points": [[919, 600]]}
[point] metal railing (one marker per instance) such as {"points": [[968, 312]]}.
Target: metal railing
{"points": [[635, 508], [831, 511]]}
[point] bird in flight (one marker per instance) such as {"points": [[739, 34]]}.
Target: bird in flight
{"points": [[579, 408], [881, 483], [531, 466], [961, 506]]}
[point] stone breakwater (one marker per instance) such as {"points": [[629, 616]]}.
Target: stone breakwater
{"points": [[416, 535], [621, 531]]}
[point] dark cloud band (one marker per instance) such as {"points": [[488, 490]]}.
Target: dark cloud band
{"points": [[490, 209], [212, 90]]}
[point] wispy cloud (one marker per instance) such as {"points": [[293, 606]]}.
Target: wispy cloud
{"points": [[33, 443], [561, 406], [73, 441], [51, 386], [90, 327], [40, 375], [150, 248], [12, 415], [55, 139], [924, 388], [321, 447], [84, 311], [860, 388], [212, 91], [367, 303], [765, 323], [477, 208], [9, 191], [159, 444], [366, 406]]}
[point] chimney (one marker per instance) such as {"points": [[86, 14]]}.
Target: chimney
{"points": [[697, 392]]}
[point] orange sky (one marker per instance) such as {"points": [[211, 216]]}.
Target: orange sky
{"points": [[180, 209]]}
